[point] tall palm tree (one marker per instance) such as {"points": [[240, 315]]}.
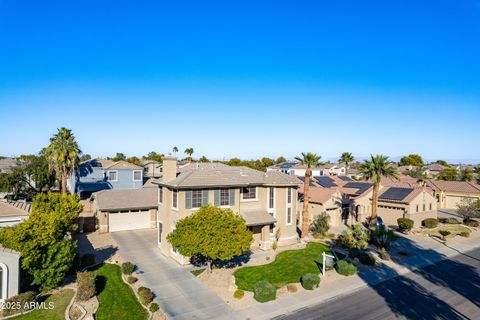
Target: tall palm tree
{"points": [[347, 158], [189, 151], [310, 160], [373, 170], [175, 150], [62, 155]]}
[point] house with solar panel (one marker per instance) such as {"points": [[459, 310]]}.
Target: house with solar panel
{"points": [[297, 169]]}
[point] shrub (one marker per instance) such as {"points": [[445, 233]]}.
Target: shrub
{"points": [[310, 281], [444, 234], [127, 268], [131, 279], [154, 307], [355, 253], [346, 240], [384, 254], [471, 223], [448, 220], [405, 224], [362, 244], [430, 223], [292, 287], [22, 300], [85, 285], [238, 294], [465, 234], [145, 295], [345, 268], [359, 232], [88, 259], [367, 259], [320, 225], [264, 291], [383, 236]]}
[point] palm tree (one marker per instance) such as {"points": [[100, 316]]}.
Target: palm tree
{"points": [[62, 155], [175, 150], [347, 158], [189, 151], [310, 160], [373, 170]]}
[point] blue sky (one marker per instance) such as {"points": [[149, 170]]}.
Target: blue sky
{"points": [[243, 78]]}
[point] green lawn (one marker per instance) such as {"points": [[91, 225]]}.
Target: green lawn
{"points": [[117, 301], [60, 300], [288, 267]]}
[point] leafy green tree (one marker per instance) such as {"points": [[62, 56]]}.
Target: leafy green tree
{"points": [[466, 175], [134, 160], [447, 174], [189, 152], [373, 170], [154, 156], [85, 157], [347, 158], [280, 159], [310, 160], [175, 150], [43, 239], [214, 233], [62, 155], [411, 160], [267, 162], [119, 157], [442, 163], [203, 159], [321, 224]]}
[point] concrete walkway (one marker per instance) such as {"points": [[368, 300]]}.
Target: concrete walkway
{"points": [[178, 293]]}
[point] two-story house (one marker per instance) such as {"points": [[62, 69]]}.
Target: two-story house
{"points": [[100, 174], [266, 200]]}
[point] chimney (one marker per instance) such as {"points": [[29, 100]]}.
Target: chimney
{"points": [[169, 168]]}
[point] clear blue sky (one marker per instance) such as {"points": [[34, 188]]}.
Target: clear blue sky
{"points": [[243, 78]]}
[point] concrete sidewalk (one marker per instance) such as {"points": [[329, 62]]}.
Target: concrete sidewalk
{"points": [[423, 251], [178, 293]]}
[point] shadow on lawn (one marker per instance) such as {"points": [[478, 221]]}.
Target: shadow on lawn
{"points": [[406, 297]]}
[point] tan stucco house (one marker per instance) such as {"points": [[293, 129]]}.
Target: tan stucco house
{"points": [[450, 193], [266, 200]]}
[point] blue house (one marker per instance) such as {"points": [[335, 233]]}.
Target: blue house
{"points": [[101, 174]]}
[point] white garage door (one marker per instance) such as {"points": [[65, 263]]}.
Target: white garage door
{"points": [[451, 202], [128, 221]]}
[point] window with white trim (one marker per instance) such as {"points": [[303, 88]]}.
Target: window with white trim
{"points": [[196, 198], [137, 175], [249, 193], [224, 197], [175, 199], [271, 198], [289, 215], [289, 195], [112, 175]]}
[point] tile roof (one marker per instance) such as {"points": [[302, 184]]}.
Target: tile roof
{"points": [[257, 218], [14, 208], [399, 194], [120, 165], [126, 199], [454, 186], [321, 195]]}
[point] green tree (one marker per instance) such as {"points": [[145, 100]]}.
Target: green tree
{"points": [[214, 233], [85, 157], [62, 155], [203, 159], [310, 160], [267, 162], [447, 174], [411, 160], [154, 156], [134, 160], [347, 158], [175, 150], [43, 239], [280, 159], [189, 152], [442, 163], [119, 157], [321, 224], [466, 175], [373, 170]]}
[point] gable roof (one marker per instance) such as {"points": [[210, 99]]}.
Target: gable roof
{"points": [[454, 186], [122, 165], [126, 199]]}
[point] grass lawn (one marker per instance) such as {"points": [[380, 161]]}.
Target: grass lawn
{"points": [[117, 301], [60, 300], [288, 267], [197, 272], [454, 230]]}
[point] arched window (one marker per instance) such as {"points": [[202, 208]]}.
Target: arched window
{"points": [[3, 281]]}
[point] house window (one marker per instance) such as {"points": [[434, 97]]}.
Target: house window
{"points": [[430, 206], [424, 207], [112, 176], [271, 198], [249, 193], [417, 207], [289, 195], [289, 215], [137, 175], [196, 198], [160, 195], [175, 199], [224, 197]]}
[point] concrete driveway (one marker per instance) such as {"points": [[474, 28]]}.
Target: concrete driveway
{"points": [[178, 292]]}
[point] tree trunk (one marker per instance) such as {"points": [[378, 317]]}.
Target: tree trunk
{"points": [[209, 266], [346, 168], [64, 180], [373, 219], [305, 215]]}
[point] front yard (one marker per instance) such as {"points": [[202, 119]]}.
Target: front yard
{"points": [[60, 300], [288, 267], [454, 231]]}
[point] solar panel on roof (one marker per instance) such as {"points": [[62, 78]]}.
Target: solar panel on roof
{"points": [[345, 178], [394, 193], [287, 165], [361, 186], [325, 181], [311, 184]]}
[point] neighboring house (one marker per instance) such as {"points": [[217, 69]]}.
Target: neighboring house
{"points": [[449, 194], [13, 212], [100, 174], [152, 168], [7, 164], [297, 169], [328, 200], [119, 210], [432, 170], [266, 200], [333, 169], [9, 273]]}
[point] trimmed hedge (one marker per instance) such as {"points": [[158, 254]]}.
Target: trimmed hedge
{"points": [[464, 234], [131, 279], [145, 295], [405, 224], [345, 268], [238, 294], [430, 223], [154, 307], [127, 268], [310, 281], [448, 220], [367, 259], [85, 285], [264, 291]]}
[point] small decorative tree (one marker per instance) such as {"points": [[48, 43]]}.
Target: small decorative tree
{"points": [[212, 232], [320, 224]]}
